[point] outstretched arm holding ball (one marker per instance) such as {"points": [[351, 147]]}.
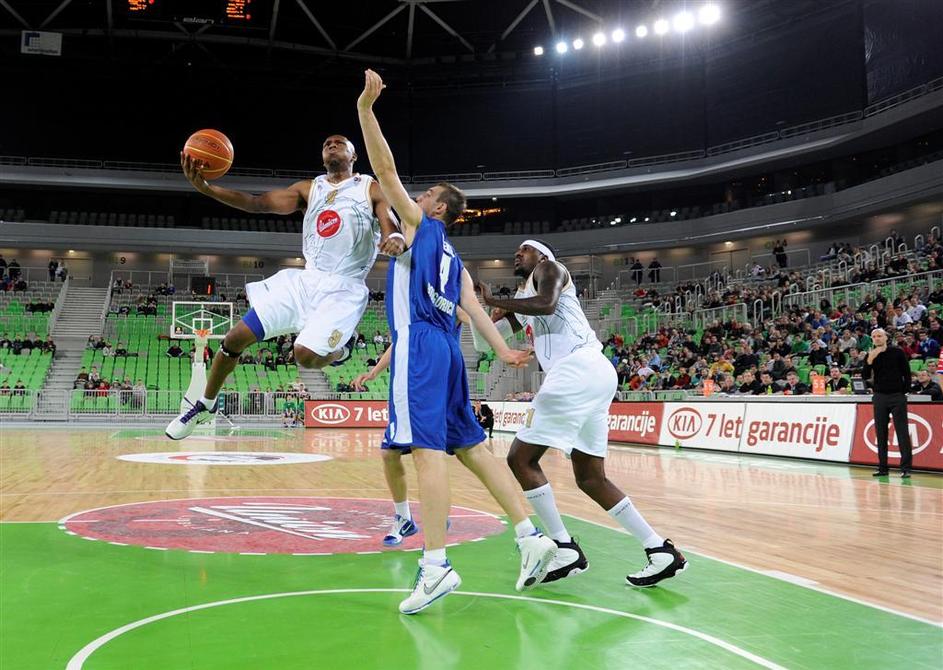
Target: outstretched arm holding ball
{"points": [[280, 201]]}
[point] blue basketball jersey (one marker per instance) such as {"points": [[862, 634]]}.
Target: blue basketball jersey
{"points": [[424, 284]]}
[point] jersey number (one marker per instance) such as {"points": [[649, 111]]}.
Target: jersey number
{"points": [[445, 265]]}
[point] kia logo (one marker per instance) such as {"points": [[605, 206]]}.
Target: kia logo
{"points": [[921, 435], [330, 413], [684, 423]]}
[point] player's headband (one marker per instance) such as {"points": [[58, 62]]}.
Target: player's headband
{"points": [[542, 248]]}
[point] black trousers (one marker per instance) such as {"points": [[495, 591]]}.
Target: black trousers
{"points": [[885, 406]]}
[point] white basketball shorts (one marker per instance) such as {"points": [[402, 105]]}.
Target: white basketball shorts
{"points": [[323, 308], [571, 409]]}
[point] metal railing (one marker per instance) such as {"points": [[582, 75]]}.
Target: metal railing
{"points": [[57, 307], [853, 294], [134, 405], [704, 317]]}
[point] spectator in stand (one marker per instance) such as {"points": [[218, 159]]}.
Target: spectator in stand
{"points": [[637, 271], [766, 385], [53, 266], [726, 384], [654, 271], [62, 272], [794, 386], [901, 318], [174, 351], [19, 389], [847, 340], [749, 384], [378, 342], [3, 265], [81, 378], [779, 251], [925, 386], [343, 387], [485, 417], [5, 389], [819, 354], [836, 383], [927, 347], [14, 270]]}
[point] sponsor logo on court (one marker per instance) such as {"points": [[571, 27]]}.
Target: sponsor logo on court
{"points": [[330, 413], [808, 430], [925, 425], [328, 223], [716, 425], [264, 525], [224, 458]]}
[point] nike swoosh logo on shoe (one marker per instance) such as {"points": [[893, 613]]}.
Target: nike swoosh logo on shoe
{"points": [[429, 591]]}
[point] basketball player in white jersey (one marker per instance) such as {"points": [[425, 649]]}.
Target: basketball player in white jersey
{"points": [[345, 215], [570, 412]]}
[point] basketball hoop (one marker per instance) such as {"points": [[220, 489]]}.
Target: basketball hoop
{"points": [[201, 334]]}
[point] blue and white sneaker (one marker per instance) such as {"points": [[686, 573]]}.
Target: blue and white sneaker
{"points": [[402, 528], [184, 425], [537, 554], [432, 582]]}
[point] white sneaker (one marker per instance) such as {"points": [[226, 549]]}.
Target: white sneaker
{"points": [[663, 562], [432, 582], [537, 552], [402, 528], [184, 425]]}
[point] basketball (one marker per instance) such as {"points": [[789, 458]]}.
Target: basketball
{"points": [[212, 148]]}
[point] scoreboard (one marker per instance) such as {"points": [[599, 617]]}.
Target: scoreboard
{"points": [[247, 13]]}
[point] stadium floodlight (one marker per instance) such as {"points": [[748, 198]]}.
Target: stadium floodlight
{"points": [[599, 39], [562, 47], [683, 21], [618, 35], [641, 31], [709, 14], [661, 26], [578, 43], [538, 51]]}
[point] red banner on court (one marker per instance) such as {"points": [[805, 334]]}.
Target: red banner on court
{"points": [[346, 414], [925, 422], [636, 422]]}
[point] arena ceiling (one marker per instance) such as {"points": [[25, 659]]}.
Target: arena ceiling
{"points": [[397, 34]]}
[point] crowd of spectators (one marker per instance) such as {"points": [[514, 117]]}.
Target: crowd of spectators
{"points": [[24, 346], [11, 276], [768, 357]]}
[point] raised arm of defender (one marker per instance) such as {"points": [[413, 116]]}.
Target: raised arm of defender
{"points": [[482, 323], [381, 157]]}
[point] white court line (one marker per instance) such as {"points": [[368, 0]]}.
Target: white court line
{"points": [[774, 574], [78, 661]]}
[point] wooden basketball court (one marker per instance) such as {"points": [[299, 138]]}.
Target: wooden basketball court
{"points": [[793, 564]]}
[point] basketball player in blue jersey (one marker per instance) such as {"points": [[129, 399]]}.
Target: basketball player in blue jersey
{"points": [[430, 408], [347, 220], [393, 472]]}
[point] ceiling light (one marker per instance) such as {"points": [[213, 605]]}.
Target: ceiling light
{"points": [[709, 14], [561, 47], [661, 27], [578, 43], [599, 39], [633, 219], [538, 51], [618, 35], [641, 31], [683, 22], [673, 212]]}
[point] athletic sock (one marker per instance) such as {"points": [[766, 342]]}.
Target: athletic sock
{"points": [[525, 528], [402, 508], [629, 518], [434, 557], [543, 502], [208, 402]]}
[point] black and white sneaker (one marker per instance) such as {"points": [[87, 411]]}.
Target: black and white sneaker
{"points": [[663, 562], [569, 561], [187, 422]]}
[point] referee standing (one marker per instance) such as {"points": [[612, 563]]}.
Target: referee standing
{"points": [[891, 383]]}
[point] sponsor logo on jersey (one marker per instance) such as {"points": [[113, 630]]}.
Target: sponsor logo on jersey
{"points": [[329, 223], [334, 339]]}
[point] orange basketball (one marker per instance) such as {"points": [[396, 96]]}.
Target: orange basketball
{"points": [[212, 148]]}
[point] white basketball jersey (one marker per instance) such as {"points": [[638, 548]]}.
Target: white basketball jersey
{"points": [[557, 336], [341, 232]]}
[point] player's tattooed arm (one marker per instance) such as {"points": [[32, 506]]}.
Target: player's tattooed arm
{"points": [[381, 157], [391, 246], [548, 280]]}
